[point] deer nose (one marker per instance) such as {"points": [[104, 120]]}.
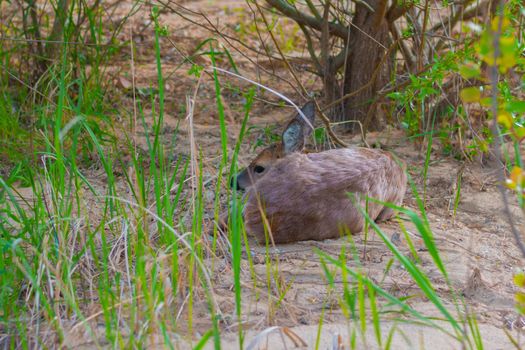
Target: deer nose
{"points": [[234, 183]]}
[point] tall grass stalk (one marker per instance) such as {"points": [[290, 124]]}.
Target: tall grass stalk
{"points": [[428, 153], [235, 224]]}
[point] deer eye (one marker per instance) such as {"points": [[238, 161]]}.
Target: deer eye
{"points": [[258, 169]]}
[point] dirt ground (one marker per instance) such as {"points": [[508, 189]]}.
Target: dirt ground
{"points": [[475, 243]]}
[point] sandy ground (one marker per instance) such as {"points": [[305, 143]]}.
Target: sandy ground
{"points": [[475, 243]]}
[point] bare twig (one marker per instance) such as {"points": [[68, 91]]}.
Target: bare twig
{"points": [[291, 12], [179, 9], [494, 75], [325, 120], [261, 39], [453, 19], [409, 57], [312, 9], [462, 15], [311, 50]]}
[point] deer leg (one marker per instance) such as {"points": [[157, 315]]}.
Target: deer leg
{"points": [[385, 214]]}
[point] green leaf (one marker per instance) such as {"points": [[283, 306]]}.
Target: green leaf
{"points": [[505, 119], [515, 107], [202, 342], [418, 275], [469, 71], [470, 94], [486, 102], [519, 132], [519, 280], [383, 293]]}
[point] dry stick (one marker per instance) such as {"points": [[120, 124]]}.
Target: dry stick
{"points": [[341, 60], [412, 18], [98, 313], [448, 23], [227, 38], [261, 40], [463, 14], [299, 17], [311, 50], [267, 89], [193, 146], [208, 71], [497, 145], [312, 9], [410, 59], [30, 87], [324, 118], [369, 36]]}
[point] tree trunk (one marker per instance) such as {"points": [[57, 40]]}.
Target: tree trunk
{"points": [[369, 38]]}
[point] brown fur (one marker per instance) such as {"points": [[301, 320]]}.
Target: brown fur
{"points": [[306, 196]]}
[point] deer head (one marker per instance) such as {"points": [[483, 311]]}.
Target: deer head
{"points": [[293, 140]]}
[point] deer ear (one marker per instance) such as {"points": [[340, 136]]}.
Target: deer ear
{"points": [[308, 112], [301, 126], [293, 139]]}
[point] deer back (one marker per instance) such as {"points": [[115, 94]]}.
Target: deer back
{"points": [[296, 196], [314, 196]]}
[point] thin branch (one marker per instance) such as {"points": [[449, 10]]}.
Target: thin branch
{"points": [[259, 35], [453, 19], [449, 22], [339, 60], [227, 38], [311, 50], [410, 59], [312, 9], [325, 120], [497, 144], [283, 57], [291, 12]]}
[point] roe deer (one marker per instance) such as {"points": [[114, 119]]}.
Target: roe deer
{"points": [[305, 196]]}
